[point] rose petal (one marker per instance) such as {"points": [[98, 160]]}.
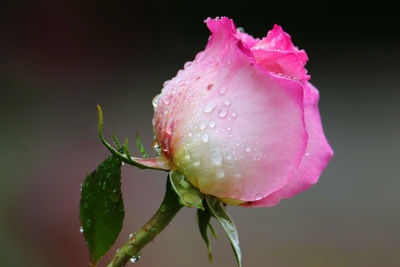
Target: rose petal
{"points": [[232, 128], [318, 153], [277, 53], [247, 39]]}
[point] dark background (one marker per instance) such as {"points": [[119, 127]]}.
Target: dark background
{"points": [[61, 58]]}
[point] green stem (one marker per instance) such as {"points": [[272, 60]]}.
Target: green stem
{"points": [[165, 213]]}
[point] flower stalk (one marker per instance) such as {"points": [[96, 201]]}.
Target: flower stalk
{"points": [[165, 213]]}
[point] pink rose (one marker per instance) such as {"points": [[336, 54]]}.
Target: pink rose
{"points": [[241, 121]]}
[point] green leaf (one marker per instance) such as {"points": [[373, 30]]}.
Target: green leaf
{"points": [[189, 195], [218, 212], [101, 207], [203, 219], [140, 146]]}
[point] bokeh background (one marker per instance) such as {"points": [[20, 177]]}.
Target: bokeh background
{"points": [[61, 58]]}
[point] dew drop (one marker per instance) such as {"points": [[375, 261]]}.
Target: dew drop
{"points": [[155, 101], [205, 138], [190, 134], [222, 90], [227, 102], [209, 107], [307, 154], [237, 175], [222, 113], [131, 235], [258, 196], [104, 185], [248, 149], [229, 157], [216, 157], [163, 208], [220, 173], [187, 65], [196, 163], [81, 229], [234, 115], [203, 126], [135, 259], [115, 196]]}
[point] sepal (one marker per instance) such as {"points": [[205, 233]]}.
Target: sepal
{"points": [[158, 163], [189, 195], [218, 211]]}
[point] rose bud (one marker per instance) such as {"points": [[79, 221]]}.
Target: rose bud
{"points": [[241, 121]]}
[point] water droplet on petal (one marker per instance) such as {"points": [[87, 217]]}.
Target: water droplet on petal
{"points": [[234, 114], [237, 175], [307, 154], [220, 173], [211, 124], [222, 113], [155, 101], [227, 102], [196, 163], [216, 157], [205, 138], [248, 149], [209, 107], [81, 229], [222, 90], [240, 29], [187, 65], [190, 134], [259, 196], [229, 157], [203, 126]]}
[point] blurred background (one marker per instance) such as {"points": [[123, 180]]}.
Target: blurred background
{"points": [[61, 58]]}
